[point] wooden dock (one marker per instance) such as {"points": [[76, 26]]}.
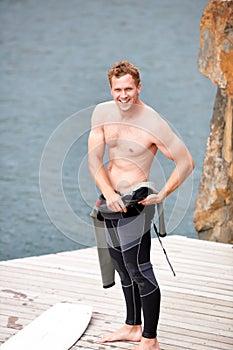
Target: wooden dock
{"points": [[196, 309]]}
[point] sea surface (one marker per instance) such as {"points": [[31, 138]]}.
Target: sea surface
{"points": [[54, 55]]}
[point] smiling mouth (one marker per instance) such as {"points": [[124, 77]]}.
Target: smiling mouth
{"points": [[124, 105], [124, 102]]}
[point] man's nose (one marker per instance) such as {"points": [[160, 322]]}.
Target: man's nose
{"points": [[123, 93]]}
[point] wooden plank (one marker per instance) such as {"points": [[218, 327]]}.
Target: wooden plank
{"points": [[199, 278], [97, 327], [196, 308]]}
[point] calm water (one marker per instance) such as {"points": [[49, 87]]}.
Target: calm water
{"points": [[54, 56]]}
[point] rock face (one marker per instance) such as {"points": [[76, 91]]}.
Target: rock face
{"points": [[215, 59], [213, 213]]}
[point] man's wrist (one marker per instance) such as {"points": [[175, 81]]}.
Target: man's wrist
{"points": [[108, 192], [162, 194]]}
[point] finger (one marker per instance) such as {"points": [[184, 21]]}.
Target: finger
{"points": [[123, 207], [116, 207], [145, 201], [113, 207]]}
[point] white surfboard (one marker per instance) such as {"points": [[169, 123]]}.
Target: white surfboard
{"points": [[57, 328]]}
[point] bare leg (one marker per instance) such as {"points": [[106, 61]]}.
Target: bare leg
{"points": [[127, 332], [148, 344]]}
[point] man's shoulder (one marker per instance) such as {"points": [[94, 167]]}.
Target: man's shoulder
{"points": [[105, 106], [149, 114], [102, 111]]}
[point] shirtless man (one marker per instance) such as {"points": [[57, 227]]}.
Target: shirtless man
{"points": [[133, 133]]}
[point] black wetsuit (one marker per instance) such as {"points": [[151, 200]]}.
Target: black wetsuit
{"points": [[129, 243]]}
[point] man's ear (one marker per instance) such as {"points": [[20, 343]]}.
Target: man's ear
{"points": [[139, 87], [111, 90]]}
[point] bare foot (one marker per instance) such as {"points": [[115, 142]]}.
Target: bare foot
{"points": [[127, 332], [148, 344]]}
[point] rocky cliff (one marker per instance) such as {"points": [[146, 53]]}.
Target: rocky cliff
{"points": [[213, 213]]}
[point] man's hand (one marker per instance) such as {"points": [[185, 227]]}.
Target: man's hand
{"points": [[115, 203], [152, 199]]}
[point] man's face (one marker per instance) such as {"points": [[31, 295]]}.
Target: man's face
{"points": [[125, 92]]}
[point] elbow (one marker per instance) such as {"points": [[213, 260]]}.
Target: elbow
{"points": [[190, 165], [91, 166], [193, 165], [94, 165], [90, 163], [186, 166]]}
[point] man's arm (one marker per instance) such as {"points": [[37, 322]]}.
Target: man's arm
{"points": [[174, 149], [96, 149]]}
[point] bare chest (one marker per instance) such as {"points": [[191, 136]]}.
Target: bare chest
{"points": [[128, 139]]}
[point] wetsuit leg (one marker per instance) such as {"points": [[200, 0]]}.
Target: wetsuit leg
{"points": [[127, 238], [137, 260], [129, 287]]}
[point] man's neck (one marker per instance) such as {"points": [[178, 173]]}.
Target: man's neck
{"points": [[133, 111]]}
